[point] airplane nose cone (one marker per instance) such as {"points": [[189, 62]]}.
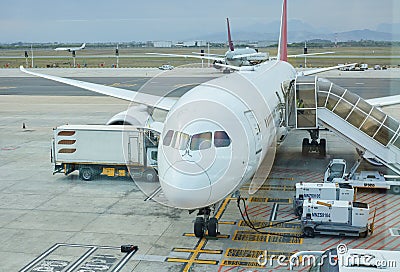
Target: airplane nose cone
{"points": [[188, 181]]}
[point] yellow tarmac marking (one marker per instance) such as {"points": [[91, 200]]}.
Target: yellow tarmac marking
{"points": [[206, 251], [240, 263], [249, 236], [253, 253], [195, 254], [221, 236], [223, 207], [227, 222], [199, 248], [270, 200], [269, 224]]}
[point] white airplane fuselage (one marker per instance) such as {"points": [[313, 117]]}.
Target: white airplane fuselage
{"points": [[244, 106], [246, 60]]}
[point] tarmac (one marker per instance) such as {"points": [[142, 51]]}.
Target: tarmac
{"points": [[60, 223]]}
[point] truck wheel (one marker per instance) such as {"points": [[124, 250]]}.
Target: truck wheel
{"points": [[364, 234], [322, 148], [309, 232], [149, 175], [86, 173], [395, 189], [305, 147], [299, 211]]}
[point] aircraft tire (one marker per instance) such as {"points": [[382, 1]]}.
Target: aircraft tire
{"points": [[305, 147], [199, 227], [322, 148], [212, 227]]}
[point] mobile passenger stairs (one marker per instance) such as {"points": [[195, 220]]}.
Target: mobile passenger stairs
{"points": [[312, 103]]}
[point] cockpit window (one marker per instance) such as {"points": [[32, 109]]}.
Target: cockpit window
{"points": [[221, 139], [168, 138], [180, 140], [201, 141]]}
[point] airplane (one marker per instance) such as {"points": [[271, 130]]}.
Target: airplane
{"points": [[71, 49], [215, 137], [235, 57]]}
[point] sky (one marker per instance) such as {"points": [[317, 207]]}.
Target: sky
{"points": [[177, 20]]}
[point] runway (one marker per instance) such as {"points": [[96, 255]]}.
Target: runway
{"points": [[174, 86], [65, 224]]}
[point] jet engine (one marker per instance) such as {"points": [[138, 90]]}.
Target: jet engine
{"points": [[135, 116]]}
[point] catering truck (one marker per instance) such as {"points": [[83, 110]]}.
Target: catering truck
{"points": [[326, 191], [95, 150], [335, 217]]}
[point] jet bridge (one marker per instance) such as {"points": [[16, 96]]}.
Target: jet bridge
{"points": [[319, 102]]}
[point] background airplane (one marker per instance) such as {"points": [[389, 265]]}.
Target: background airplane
{"points": [[71, 49], [235, 57], [217, 135]]}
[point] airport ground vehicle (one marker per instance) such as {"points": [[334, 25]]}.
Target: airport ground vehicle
{"points": [[166, 67], [335, 217], [342, 259], [325, 191], [336, 173], [105, 150]]}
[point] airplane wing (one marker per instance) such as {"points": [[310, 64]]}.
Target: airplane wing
{"points": [[305, 55], [236, 68], [310, 54], [210, 55], [153, 101], [262, 55], [320, 70], [219, 59]]}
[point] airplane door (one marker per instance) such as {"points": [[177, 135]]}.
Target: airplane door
{"points": [[255, 128]]}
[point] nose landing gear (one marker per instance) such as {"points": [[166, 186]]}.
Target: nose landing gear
{"points": [[313, 146], [204, 222]]}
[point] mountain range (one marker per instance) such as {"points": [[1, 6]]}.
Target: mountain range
{"points": [[298, 31]]}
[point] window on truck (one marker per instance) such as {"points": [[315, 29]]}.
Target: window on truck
{"points": [[154, 155], [201, 141]]}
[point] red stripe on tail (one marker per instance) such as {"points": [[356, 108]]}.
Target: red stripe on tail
{"points": [[282, 50], [229, 36]]}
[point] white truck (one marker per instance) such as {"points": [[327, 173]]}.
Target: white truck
{"points": [[336, 173], [325, 191], [335, 217], [96, 150]]}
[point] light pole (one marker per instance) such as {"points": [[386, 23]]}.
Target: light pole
{"points": [[117, 55]]}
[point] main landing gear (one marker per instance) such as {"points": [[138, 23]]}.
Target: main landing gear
{"points": [[313, 146], [203, 222]]}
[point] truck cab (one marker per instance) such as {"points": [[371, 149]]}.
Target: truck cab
{"points": [[336, 169]]}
